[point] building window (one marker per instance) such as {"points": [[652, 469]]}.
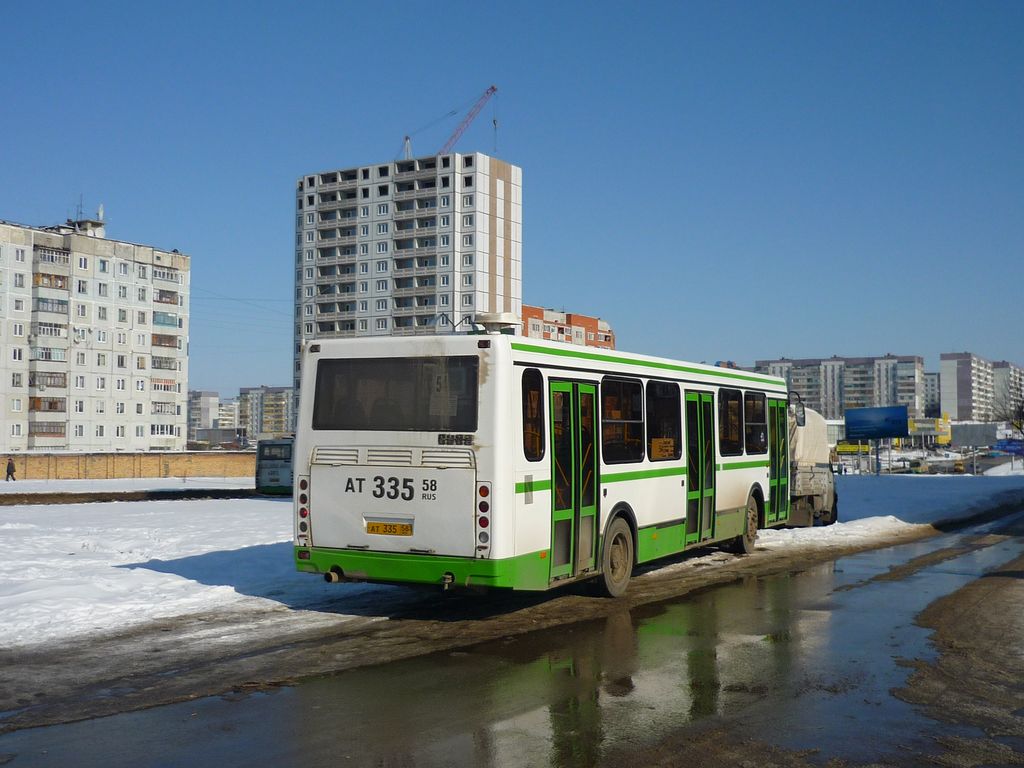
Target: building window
{"points": [[382, 285], [444, 299], [445, 201], [83, 262], [382, 209], [382, 266], [467, 181], [19, 254], [445, 221], [467, 220], [467, 241], [467, 299], [382, 323], [17, 353], [362, 325], [467, 201], [142, 271], [382, 229], [382, 305], [467, 259], [382, 247], [79, 430]]}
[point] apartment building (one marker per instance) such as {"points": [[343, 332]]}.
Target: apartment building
{"points": [[932, 395], [1008, 386], [967, 386], [832, 385], [266, 411], [406, 247], [93, 341], [570, 327], [203, 411], [227, 413]]}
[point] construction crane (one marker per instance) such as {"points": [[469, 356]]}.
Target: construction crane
{"points": [[468, 119]]}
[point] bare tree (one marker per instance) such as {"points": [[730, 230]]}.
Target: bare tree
{"points": [[1008, 406]]}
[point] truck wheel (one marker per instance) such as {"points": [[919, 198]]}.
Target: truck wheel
{"points": [[617, 559], [827, 518], [744, 543]]}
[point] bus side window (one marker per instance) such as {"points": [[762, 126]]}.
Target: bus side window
{"points": [[756, 427], [730, 422], [664, 435], [622, 420], [533, 414]]}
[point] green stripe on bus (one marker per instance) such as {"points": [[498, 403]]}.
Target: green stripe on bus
{"points": [[643, 474], [744, 464], [643, 363], [533, 485]]}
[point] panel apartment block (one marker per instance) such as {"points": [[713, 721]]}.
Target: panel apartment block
{"points": [[94, 340], [832, 385], [415, 246]]}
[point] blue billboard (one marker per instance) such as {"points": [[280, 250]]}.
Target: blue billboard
{"points": [[873, 423]]}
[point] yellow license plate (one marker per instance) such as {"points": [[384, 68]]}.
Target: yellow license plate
{"points": [[389, 529]]}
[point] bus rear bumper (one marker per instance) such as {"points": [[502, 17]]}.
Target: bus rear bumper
{"points": [[529, 572]]}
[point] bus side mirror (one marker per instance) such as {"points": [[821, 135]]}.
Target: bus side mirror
{"points": [[801, 414]]}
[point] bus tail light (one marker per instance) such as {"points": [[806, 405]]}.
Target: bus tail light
{"points": [[483, 519], [302, 510]]}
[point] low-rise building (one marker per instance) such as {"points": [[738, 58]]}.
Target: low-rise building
{"points": [[570, 327]]}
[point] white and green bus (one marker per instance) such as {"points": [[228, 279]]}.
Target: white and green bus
{"points": [[501, 461]]}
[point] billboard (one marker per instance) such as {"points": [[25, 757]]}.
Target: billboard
{"points": [[973, 435], [872, 423]]}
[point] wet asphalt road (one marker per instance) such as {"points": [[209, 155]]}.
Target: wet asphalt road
{"points": [[805, 661]]}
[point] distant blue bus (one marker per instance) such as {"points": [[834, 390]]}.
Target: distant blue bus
{"points": [[274, 466]]}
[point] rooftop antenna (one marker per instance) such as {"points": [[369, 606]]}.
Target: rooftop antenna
{"points": [[99, 212]]}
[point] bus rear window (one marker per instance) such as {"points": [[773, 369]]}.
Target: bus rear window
{"points": [[276, 451], [410, 394]]}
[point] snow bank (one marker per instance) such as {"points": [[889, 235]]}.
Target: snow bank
{"points": [[75, 569]]}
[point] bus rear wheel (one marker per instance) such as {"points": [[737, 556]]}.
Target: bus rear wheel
{"points": [[617, 559], [744, 543]]}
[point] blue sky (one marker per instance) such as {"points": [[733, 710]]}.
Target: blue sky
{"points": [[723, 180]]}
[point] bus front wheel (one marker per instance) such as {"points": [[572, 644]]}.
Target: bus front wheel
{"points": [[617, 560]]}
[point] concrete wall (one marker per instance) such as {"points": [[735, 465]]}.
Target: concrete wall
{"points": [[105, 466]]}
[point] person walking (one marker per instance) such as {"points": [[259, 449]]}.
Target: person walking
{"points": [[10, 469]]}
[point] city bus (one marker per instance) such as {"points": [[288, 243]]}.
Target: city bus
{"points": [[274, 466], [495, 460]]}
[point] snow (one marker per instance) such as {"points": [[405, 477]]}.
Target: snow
{"points": [[126, 484], [71, 570]]}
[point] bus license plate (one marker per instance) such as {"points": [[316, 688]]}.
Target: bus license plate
{"points": [[389, 529]]}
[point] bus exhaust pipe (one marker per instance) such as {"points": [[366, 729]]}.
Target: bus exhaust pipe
{"points": [[332, 577]]}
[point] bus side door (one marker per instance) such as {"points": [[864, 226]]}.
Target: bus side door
{"points": [[778, 462], [700, 466], [573, 478]]}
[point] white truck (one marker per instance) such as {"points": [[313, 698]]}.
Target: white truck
{"points": [[813, 497]]}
